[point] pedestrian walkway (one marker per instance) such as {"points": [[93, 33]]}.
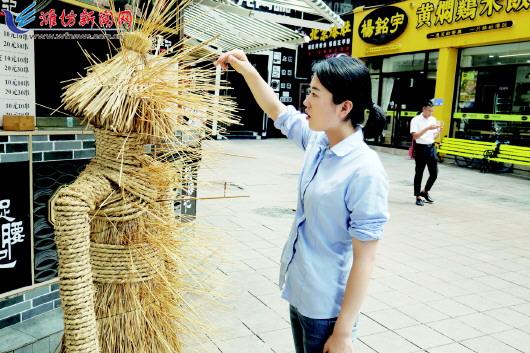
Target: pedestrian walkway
{"points": [[451, 277]]}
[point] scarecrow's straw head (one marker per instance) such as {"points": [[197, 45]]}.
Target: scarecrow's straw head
{"points": [[139, 91]]}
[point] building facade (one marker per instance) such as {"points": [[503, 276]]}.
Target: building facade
{"points": [[471, 57]]}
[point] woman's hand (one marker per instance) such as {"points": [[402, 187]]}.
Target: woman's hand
{"points": [[237, 59], [337, 343]]}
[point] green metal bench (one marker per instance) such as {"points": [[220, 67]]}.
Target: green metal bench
{"points": [[466, 152]]}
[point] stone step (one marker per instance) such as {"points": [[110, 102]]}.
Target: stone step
{"points": [[40, 334]]}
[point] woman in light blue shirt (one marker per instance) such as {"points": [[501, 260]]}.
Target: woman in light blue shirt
{"points": [[342, 200]]}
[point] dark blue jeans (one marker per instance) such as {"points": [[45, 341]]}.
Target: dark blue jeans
{"points": [[310, 335]]}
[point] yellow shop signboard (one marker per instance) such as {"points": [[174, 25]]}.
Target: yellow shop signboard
{"points": [[419, 25]]}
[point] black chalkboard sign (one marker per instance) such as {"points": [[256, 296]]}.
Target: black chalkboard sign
{"points": [[15, 231]]}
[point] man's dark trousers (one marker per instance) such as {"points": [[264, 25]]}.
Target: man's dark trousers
{"points": [[425, 155]]}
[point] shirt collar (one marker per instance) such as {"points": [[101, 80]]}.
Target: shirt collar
{"points": [[345, 146]]}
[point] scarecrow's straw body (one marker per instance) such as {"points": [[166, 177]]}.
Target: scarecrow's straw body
{"points": [[122, 273], [119, 214]]}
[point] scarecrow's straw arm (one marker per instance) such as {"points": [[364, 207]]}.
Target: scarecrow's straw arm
{"points": [[71, 207]]}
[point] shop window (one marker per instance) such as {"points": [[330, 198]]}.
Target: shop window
{"points": [[495, 90], [432, 61], [498, 98], [496, 55], [400, 84], [521, 97], [487, 90], [405, 62], [373, 64], [375, 88]]}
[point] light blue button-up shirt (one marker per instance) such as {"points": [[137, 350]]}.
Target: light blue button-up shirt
{"points": [[343, 194]]}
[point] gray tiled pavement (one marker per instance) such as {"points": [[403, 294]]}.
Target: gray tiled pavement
{"points": [[451, 277]]}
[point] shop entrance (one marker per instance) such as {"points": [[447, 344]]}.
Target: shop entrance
{"points": [[405, 93]]}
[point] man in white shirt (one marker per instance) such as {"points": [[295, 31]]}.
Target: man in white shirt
{"points": [[424, 128]]}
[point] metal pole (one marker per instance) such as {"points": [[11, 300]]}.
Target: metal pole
{"points": [[217, 91]]}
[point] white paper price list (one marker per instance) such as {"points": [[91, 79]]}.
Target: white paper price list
{"points": [[17, 73]]}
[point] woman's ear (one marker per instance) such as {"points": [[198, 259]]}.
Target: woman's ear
{"points": [[345, 108]]}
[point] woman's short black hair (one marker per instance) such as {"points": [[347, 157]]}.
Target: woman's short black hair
{"points": [[347, 78]]}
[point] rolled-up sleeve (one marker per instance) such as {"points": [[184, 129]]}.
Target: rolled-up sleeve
{"points": [[294, 126], [367, 201]]}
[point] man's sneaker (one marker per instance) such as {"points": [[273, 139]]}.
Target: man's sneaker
{"points": [[426, 196], [419, 202]]}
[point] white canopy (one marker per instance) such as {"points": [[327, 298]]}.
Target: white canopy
{"points": [[315, 7], [225, 25]]}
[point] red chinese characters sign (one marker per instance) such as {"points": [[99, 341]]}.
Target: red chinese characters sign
{"points": [[85, 19], [324, 43]]}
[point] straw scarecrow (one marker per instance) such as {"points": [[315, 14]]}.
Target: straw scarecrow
{"points": [[121, 275]]}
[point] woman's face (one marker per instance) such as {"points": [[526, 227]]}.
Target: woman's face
{"points": [[322, 113]]}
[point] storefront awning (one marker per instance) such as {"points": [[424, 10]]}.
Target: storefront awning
{"points": [[227, 26], [226, 31], [315, 7]]}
